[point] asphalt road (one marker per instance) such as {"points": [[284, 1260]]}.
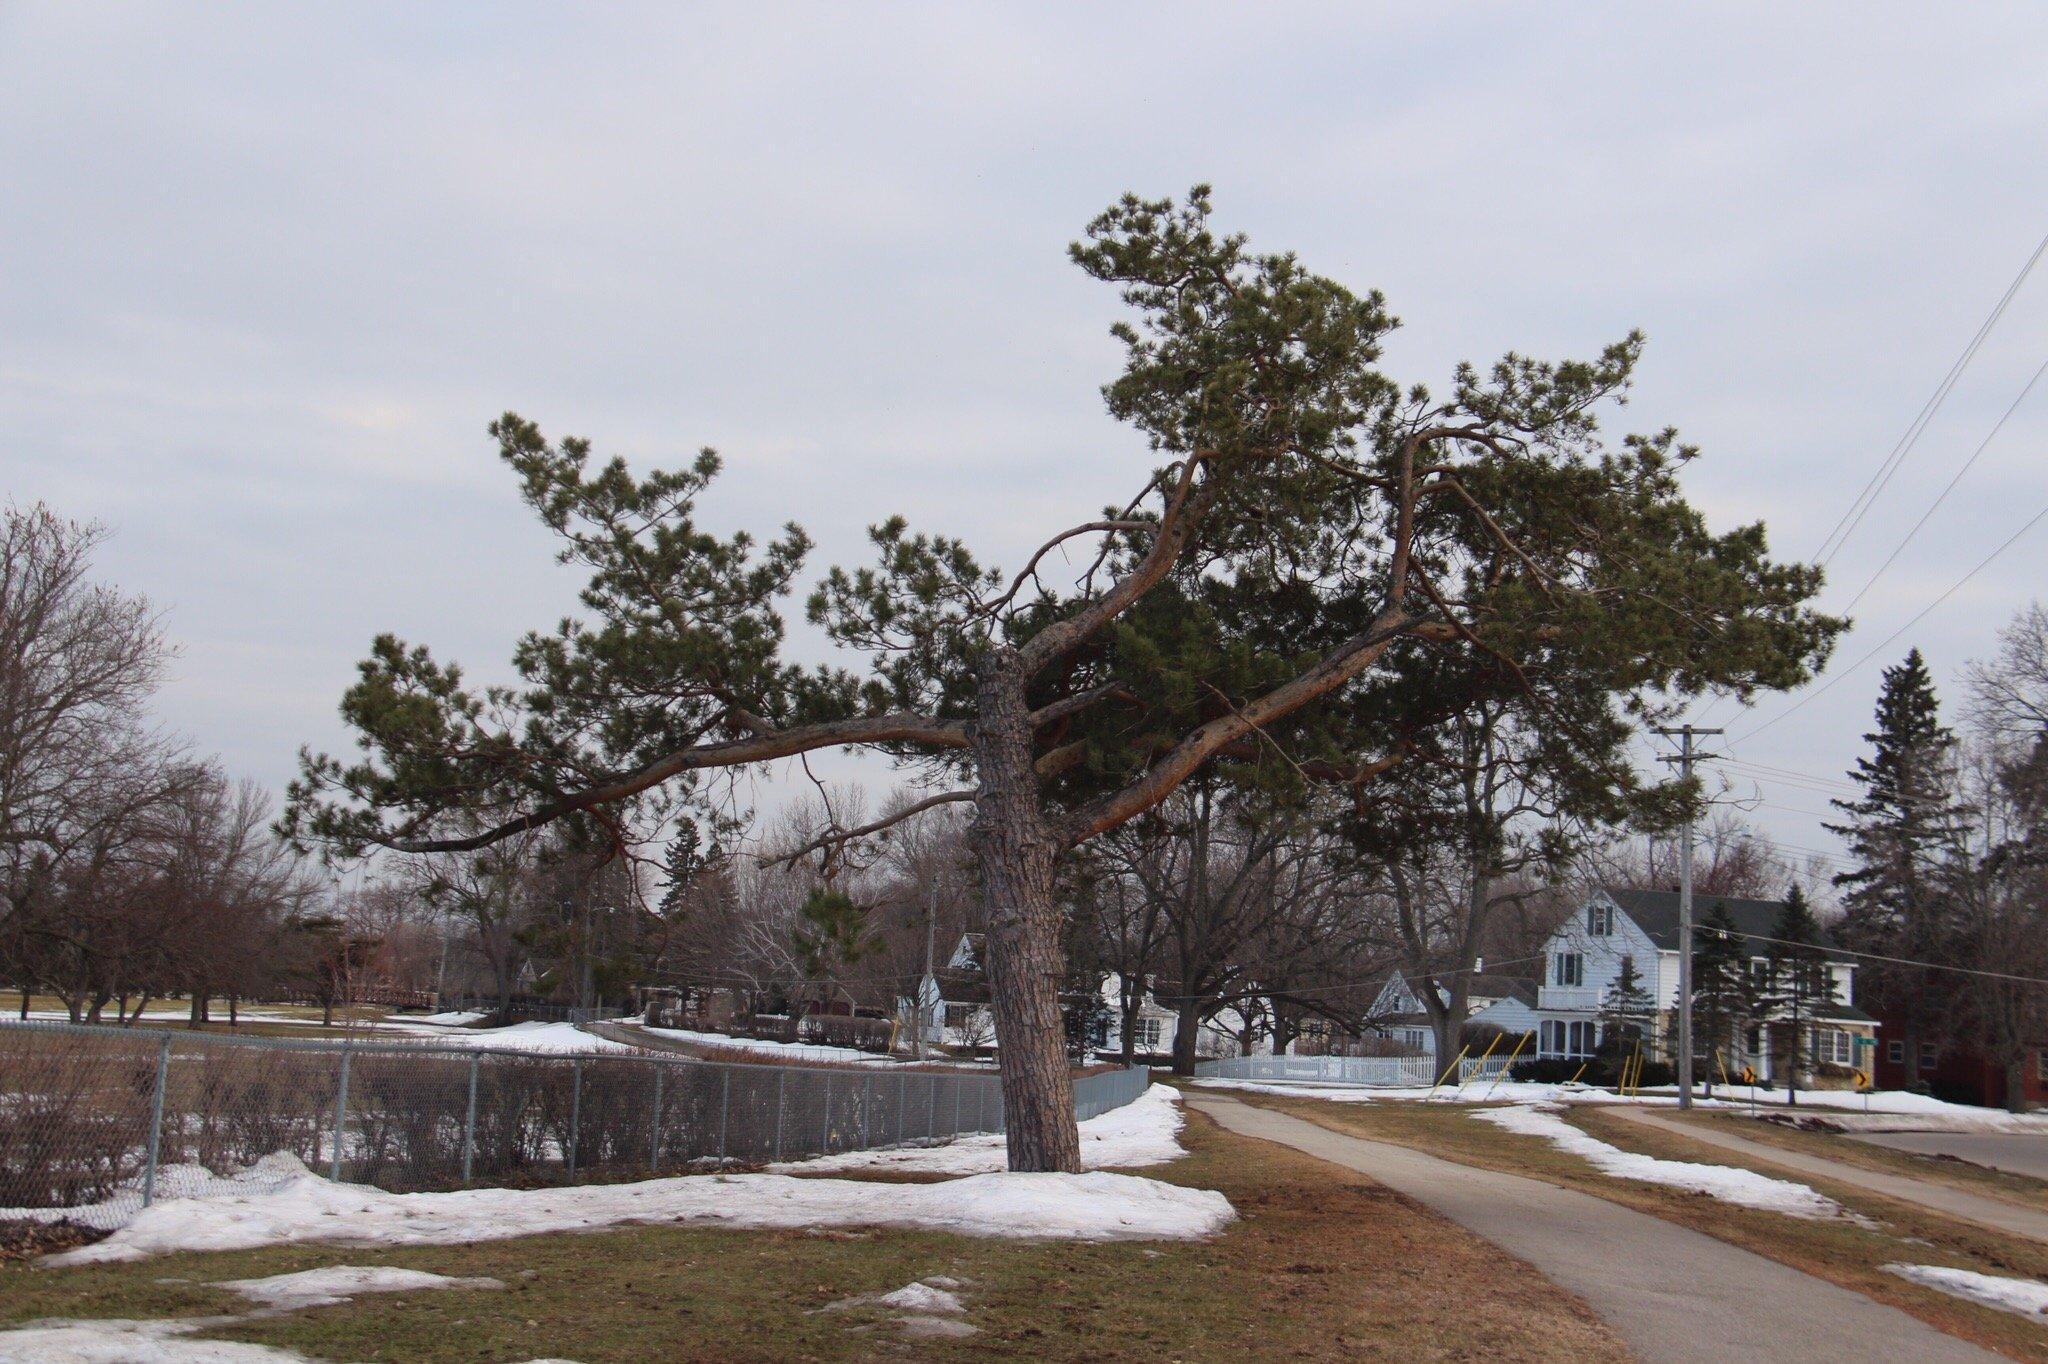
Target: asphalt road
{"points": [[1674, 1295], [2020, 1153]]}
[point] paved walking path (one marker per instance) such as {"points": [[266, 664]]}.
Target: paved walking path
{"points": [[2019, 1153], [1674, 1295], [1996, 1213]]}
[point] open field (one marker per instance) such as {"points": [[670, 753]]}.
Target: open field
{"points": [[1838, 1250], [1322, 1265]]}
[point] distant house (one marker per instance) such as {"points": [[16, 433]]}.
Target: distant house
{"points": [[1584, 956], [1957, 1072], [956, 1012], [1496, 1001]]}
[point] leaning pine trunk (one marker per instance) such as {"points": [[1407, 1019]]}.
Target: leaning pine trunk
{"points": [[1016, 850]]}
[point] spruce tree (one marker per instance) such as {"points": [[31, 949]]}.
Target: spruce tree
{"points": [[1625, 1012], [1800, 984], [1723, 1000], [1907, 849]]}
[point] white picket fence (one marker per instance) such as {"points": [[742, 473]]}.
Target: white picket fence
{"points": [[1359, 1071]]}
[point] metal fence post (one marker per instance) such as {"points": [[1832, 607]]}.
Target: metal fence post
{"points": [[902, 1105], [781, 1089], [867, 1109], [469, 1121], [724, 1108], [654, 1128], [931, 1110], [575, 1112], [340, 1115], [156, 1118], [958, 1089], [825, 1140]]}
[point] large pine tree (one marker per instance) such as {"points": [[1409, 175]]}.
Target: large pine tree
{"points": [[1907, 849]]}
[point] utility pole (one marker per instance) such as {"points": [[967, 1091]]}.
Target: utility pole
{"points": [[1685, 758]]}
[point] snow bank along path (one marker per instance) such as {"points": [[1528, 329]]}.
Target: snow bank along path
{"points": [[1088, 1207], [1743, 1187], [2010, 1295], [1145, 1131]]}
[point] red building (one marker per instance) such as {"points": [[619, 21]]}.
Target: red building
{"points": [[1956, 1074]]}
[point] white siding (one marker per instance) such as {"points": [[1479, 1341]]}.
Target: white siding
{"points": [[1602, 955]]}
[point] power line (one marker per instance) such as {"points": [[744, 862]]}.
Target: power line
{"points": [[1858, 509], [1935, 505], [1921, 615], [1879, 956]]}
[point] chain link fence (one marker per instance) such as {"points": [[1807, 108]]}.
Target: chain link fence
{"points": [[1383, 1071], [99, 1121]]}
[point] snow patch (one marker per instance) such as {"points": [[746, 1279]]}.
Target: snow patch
{"points": [[2024, 1296], [1745, 1188], [922, 1298], [131, 1342], [1145, 1131], [339, 1283], [274, 1172], [1090, 1207], [550, 1039]]}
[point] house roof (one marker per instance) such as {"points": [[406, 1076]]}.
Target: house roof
{"points": [[1503, 987], [1656, 913]]}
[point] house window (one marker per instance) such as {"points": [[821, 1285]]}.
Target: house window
{"points": [[1569, 968], [2041, 1066], [1560, 1038], [1929, 1058], [1833, 1046], [1599, 920], [1416, 1038], [1145, 1033], [1895, 1052]]}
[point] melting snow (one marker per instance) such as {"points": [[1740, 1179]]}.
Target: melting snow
{"points": [[339, 1283], [1730, 1185], [2024, 1296], [131, 1342], [1092, 1207], [1145, 1131]]}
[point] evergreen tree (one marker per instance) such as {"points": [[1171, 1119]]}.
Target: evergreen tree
{"points": [[1799, 984], [1308, 525], [1906, 843], [1723, 1001], [1625, 1012]]}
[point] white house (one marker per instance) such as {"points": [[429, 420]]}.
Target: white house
{"points": [[1504, 1002], [953, 1004], [1584, 956]]}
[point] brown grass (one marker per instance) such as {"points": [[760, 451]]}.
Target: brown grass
{"points": [[1323, 1265], [1836, 1250]]}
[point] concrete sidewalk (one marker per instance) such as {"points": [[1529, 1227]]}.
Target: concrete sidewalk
{"points": [[1675, 1296], [1996, 1213]]}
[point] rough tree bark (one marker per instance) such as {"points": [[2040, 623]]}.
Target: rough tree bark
{"points": [[1016, 849]]}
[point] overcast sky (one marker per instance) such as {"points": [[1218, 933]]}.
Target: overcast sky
{"points": [[266, 273]]}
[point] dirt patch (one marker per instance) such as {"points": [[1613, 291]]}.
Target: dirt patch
{"points": [[24, 1240]]}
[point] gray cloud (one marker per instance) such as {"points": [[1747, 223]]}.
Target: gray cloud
{"points": [[268, 271]]}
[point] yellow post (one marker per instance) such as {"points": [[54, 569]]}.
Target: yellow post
{"points": [[1447, 1071], [1482, 1059], [1577, 1073], [1520, 1042]]}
